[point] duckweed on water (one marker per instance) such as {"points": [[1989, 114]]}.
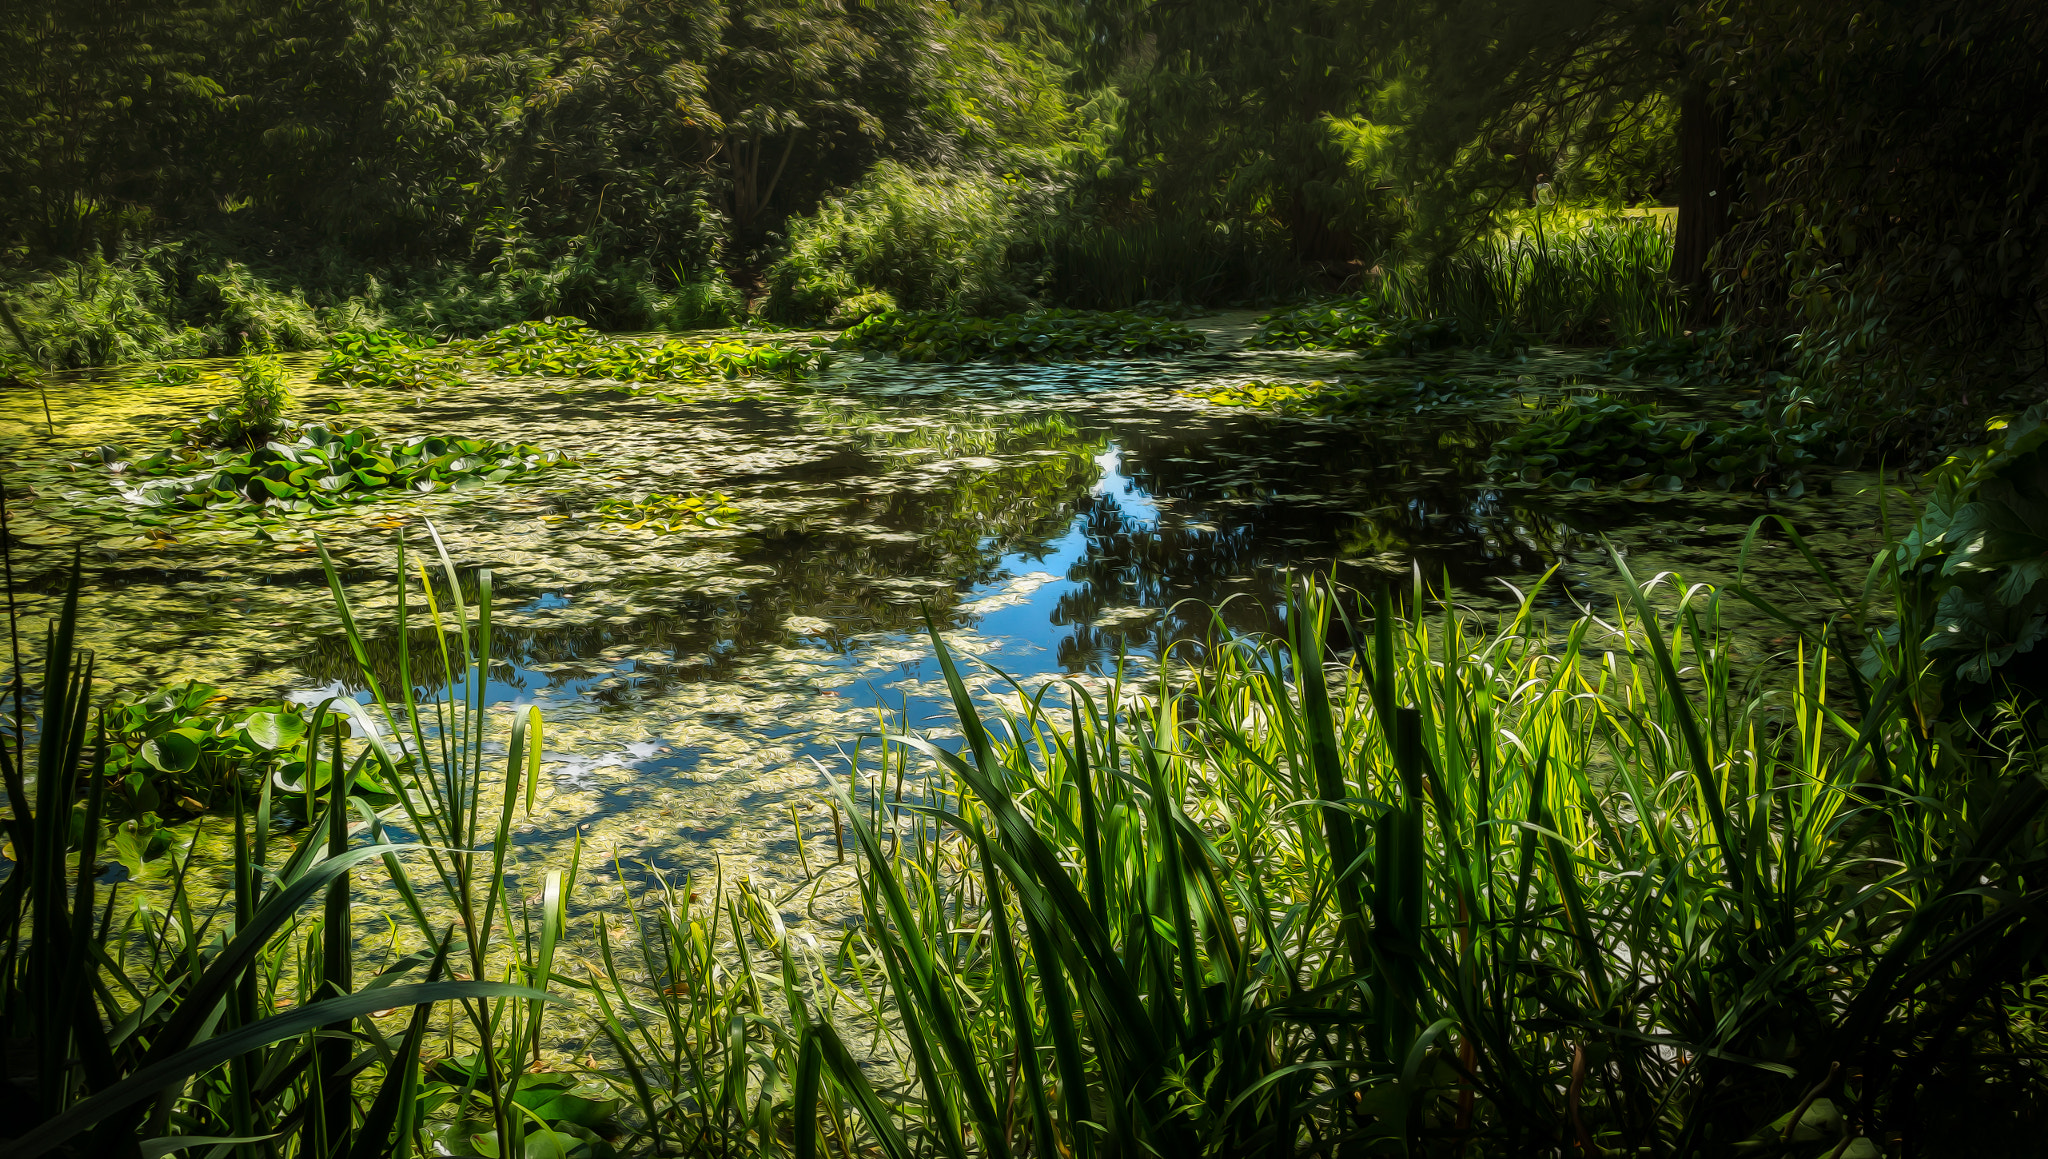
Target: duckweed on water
{"points": [[1045, 336], [321, 469], [669, 513]]}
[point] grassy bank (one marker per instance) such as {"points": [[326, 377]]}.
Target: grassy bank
{"points": [[1389, 883]]}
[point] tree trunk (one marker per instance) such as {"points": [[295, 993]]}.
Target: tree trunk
{"points": [[1703, 195]]}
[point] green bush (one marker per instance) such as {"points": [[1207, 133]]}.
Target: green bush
{"points": [[248, 313], [1044, 336], [100, 313], [1977, 557], [707, 303], [929, 239]]}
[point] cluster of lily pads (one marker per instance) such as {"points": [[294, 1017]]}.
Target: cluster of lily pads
{"points": [[1416, 393], [555, 347], [669, 513], [319, 469], [1042, 336], [1593, 439], [391, 359], [178, 750], [567, 347], [1353, 324]]}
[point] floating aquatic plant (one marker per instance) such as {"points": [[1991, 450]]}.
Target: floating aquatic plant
{"points": [[556, 347], [391, 358], [1358, 324], [1044, 336], [1597, 438], [172, 374], [180, 750], [320, 469], [669, 513], [569, 348], [1421, 392]]}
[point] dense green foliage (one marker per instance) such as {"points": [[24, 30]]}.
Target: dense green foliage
{"points": [[1045, 336], [181, 179], [1977, 558], [903, 239]]}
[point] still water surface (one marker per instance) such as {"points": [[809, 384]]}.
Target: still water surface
{"points": [[1052, 521]]}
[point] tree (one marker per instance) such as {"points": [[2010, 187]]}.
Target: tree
{"points": [[1241, 111], [100, 95]]}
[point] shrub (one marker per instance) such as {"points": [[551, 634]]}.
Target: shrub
{"points": [[1118, 266], [1976, 560], [706, 303], [247, 313], [929, 239]]}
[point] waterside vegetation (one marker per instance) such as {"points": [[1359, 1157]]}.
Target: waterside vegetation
{"points": [[1387, 879]]}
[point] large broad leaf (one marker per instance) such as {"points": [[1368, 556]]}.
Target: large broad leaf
{"points": [[272, 730], [173, 752]]}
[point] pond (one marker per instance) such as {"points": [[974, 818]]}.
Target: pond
{"points": [[1052, 521]]}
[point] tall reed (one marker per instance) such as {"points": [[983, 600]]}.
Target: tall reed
{"points": [[1561, 280], [1387, 886]]}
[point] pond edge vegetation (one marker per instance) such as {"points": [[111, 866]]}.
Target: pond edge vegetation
{"points": [[1395, 896]]}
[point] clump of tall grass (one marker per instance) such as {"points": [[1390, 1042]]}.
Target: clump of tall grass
{"points": [[1560, 279], [1390, 887], [212, 1008], [158, 304], [1380, 884]]}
